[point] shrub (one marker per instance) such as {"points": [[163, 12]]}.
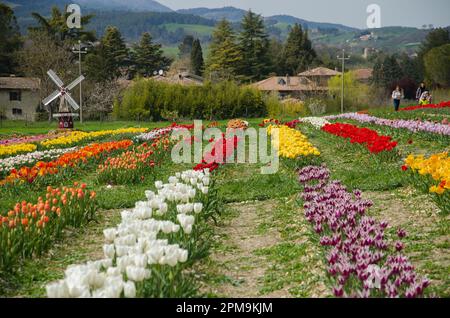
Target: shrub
{"points": [[148, 99]]}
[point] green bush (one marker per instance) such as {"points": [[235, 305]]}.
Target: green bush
{"points": [[153, 100]]}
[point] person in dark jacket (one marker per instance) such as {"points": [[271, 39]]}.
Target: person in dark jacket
{"points": [[422, 89]]}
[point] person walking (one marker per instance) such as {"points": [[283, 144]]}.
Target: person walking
{"points": [[422, 89], [397, 96]]}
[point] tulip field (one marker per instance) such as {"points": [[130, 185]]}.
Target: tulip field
{"points": [[359, 207]]}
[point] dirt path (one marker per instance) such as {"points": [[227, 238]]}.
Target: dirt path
{"points": [[257, 259], [427, 242]]}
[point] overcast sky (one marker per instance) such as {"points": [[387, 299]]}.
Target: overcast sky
{"points": [[349, 12]]}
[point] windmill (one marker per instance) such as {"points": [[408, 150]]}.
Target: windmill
{"points": [[64, 114]]}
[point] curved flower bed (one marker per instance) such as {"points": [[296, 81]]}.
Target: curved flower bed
{"points": [[71, 159], [432, 174], [78, 136], [360, 259], [145, 255], [13, 149], [27, 139], [7, 164], [162, 132], [411, 125], [292, 143], [369, 138], [28, 229], [430, 106]]}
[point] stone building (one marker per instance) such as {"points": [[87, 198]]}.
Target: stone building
{"points": [[19, 97]]}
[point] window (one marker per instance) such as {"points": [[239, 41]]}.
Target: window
{"points": [[15, 96], [17, 111]]}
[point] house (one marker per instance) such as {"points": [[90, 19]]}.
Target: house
{"points": [[363, 75], [182, 78], [292, 86], [19, 97], [320, 75]]}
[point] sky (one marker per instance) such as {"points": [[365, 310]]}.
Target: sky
{"points": [[414, 13]]}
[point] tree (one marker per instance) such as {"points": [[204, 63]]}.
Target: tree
{"points": [[148, 57], [277, 65], [298, 53], [254, 46], [437, 65], [10, 40], [108, 59], [197, 58], [411, 68], [224, 54], [185, 48], [386, 71], [56, 26], [42, 54]]}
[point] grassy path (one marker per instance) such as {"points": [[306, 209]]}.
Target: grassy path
{"points": [[264, 247]]}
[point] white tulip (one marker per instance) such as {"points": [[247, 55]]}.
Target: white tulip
{"points": [[109, 251], [205, 190], [110, 235], [129, 289], [159, 184], [113, 271], [57, 290], [198, 207]]}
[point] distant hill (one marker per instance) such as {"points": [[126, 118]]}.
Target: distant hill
{"points": [[230, 13], [235, 15], [23, 8]]}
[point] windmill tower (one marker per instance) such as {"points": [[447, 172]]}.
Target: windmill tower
{"points": [[66, 101]]}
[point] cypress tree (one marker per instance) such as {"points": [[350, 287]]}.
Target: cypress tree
{"points": [[197, 58], [298, 52]]}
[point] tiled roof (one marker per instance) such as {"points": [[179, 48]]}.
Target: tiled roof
{"points": [[280, 83], [20, 83], [320, 71]]}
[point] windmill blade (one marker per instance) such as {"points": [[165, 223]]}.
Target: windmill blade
{"points": [[75, 82], [51, 98], [55, 78], [71, 101]]}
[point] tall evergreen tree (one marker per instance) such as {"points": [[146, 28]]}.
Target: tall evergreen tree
{"points": [[298, 52], [185, 48], [224, 54], [148, 56], [197, 62], [9, 39], [386, 71], [254, 46], [109, 57]]}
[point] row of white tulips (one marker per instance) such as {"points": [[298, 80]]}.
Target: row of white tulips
{"points": [[15, 162], [317, 122], [135, 245]]}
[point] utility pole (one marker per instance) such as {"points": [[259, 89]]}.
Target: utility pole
{"points": [[80, 51], [343, 58]]}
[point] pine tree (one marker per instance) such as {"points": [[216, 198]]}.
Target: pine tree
{"points": [[148, 57], [224, 54], [197, 62], [107, 60], [254, 45], [298, 52], [9, 39]]}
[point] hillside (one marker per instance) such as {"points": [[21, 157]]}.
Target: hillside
{"points": [[23, 8]]}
